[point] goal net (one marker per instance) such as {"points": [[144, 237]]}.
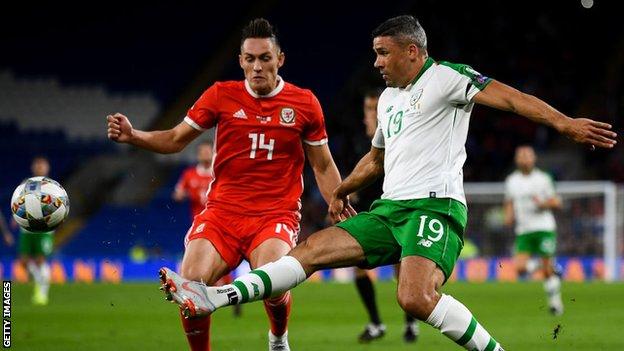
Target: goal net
{"points": [[589, 228]]}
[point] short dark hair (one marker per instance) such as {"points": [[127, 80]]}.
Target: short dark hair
{"points": [[260, 28], [404, 28]]}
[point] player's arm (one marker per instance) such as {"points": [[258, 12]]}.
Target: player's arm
{"points": [[508, 212], [162, 141], [367, 170], [179, 192], [581, 130], [552, 203], [326, 173]]}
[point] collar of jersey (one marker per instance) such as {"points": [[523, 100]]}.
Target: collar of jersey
{"points": [[277, 90], [428, 63]]}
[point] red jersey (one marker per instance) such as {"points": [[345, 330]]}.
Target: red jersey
{"points": [[195, 181], [259, 158]]}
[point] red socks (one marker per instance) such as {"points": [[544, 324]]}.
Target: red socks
{"points": [[278, 309], [197, 332]]}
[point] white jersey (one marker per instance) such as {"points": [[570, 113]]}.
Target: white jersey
{"points": [[523, 190], [423, 128]]}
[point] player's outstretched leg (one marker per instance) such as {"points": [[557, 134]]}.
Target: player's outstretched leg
{"points": [[330, 248], [418, 295], [375, 329]]}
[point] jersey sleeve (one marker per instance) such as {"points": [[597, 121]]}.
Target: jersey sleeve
{"points": [[314, 132], [204, 113], [460, 83], [378, 139]]}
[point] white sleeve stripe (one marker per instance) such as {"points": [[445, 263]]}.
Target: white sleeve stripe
{"points": [[192, 123], [377, 145], [316, 143]]}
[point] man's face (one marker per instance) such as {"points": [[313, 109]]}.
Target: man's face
{"points": [[525, 158], [40, 167], [370, 115], [260, 59], [204, 154], [394, 60]]}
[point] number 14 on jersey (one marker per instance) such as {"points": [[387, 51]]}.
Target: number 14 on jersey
{"points": [[258, 142]]}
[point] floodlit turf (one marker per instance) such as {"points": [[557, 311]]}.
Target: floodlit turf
{"points": [[325, 317]]}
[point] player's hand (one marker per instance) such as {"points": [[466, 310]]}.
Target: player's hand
{"points": [[541, 205], [119, 128], [179, 195], [587, 131], [340, 209]]}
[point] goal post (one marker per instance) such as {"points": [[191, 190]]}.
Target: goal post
{"points": [[588, 225]]}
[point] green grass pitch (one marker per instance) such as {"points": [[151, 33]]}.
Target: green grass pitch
{"points": [[326, 316]]}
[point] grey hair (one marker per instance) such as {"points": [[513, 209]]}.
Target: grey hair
{"points": [[404, 28]]}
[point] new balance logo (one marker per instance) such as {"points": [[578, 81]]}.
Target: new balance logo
{"points": [[425, 243], [240, 114]]}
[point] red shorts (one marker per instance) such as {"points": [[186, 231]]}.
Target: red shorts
{"points": [[235, 236]]}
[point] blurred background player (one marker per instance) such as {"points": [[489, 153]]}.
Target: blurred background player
{"points": [[193, 186], [35, 248], [7, 236], [529, 200], [365, 197], [266, 128]]}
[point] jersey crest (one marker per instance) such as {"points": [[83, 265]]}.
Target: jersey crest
{"points": [[287, 116]]}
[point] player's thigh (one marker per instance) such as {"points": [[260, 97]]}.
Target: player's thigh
{"points": [[419, 281], [431, 235], [202, 262], [274, 237], [332, 247], [374, 237], [268, 251]]}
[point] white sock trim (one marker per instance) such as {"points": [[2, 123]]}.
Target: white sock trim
{"points": [[439, 311]]}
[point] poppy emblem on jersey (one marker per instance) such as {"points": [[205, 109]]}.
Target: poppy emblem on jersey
{"points": [[415, 97], [481, 78], [287, 116]]}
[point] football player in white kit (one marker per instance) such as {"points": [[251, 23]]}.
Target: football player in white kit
{"points": [[420, 219], [529, 200]]}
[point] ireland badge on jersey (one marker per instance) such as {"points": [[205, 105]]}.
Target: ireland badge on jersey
{"points": [[287, 116], [415, 97]]}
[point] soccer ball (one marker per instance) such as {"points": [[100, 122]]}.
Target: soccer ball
{"points": [[39, 204]]}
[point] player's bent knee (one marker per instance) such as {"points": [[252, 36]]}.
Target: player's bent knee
{"points": [[194, 273], [418, 303]]}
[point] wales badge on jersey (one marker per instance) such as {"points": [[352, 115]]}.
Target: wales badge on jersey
{"points": [[287, 116]]}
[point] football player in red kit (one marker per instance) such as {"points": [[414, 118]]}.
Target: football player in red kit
{"points": [[193, 186], [264, 129], [195, 180]]}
